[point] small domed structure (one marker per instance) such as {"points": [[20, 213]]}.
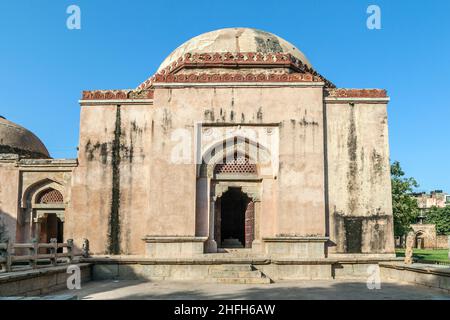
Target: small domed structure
{"points": [[15, 139], [235, 40]]}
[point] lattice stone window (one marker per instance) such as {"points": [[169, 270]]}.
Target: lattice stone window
{"points": [[50, 196], [240, 164]]}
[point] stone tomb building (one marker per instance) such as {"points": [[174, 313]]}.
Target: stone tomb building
{"points": [[236, 144]]}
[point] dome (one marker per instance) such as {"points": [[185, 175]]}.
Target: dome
{"points": [[15, 139], [235, 40]]}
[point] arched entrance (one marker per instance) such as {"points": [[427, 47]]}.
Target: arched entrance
{"points": [[235, 220], [50, 219], [229, 188], [43, 213], [420, 240]]}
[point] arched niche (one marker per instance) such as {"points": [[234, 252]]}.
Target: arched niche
{"points": [[29, 195], [229, 148], [210, 186], [42, 219]]}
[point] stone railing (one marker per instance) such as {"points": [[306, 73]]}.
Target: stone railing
{"points": [[33, 255]]}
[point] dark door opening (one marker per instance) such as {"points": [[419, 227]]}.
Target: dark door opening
{"points": [[236, 220], [52, 228]]}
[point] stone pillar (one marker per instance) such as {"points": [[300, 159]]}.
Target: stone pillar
{"points": [[409, 248], [211, 244], [249, 224], [257, 245]]}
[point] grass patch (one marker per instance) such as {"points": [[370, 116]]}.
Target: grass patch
{"points": [[426, 254]]}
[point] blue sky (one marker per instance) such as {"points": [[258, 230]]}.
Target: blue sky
{"points": [[44, 66]]}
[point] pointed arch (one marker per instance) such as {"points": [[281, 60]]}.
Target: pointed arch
{"points": [[257, 151], [227, 150], [32, 191]]}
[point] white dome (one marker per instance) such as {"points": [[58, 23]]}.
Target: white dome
{"points": [[235, 40]]}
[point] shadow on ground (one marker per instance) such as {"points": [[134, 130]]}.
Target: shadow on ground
{"points": [[298, 290]]}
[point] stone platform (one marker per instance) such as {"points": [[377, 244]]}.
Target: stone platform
{"points": [[282, 290], [204, 267], [38, 282], [429, 275]]}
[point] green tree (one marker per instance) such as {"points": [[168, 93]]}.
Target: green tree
{"points": [[404, 206], [441, 218]]}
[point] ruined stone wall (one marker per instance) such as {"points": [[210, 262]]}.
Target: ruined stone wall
{"points": [[359, 189]]}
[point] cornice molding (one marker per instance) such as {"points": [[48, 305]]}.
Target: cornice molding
{"points": [[230, 60], [355, 93], [119, 95]]}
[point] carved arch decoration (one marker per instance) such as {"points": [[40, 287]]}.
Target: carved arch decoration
{"points": [[252, 191], [231, 147], [31, 193]]}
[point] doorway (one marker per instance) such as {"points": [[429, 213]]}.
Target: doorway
{"points": [[235, 221], [51, 228]]}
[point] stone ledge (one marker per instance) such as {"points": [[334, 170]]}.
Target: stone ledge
{"points": [[420, 268], [173, 239], [228, 260], [48, 162], [187, 261], [32, 273], [296, 239], [431, 276]]}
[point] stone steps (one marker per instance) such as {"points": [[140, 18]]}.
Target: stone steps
{"points": [[231, 243], [238, 274]]}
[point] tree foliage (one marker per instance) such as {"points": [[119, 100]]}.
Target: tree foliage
{"points": [[441, 218], [404, 206]]}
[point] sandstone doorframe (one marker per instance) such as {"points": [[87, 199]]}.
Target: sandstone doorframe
{"points": [[214, 185], [252, 189]]}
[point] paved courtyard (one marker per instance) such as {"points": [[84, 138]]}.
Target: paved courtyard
{"points": [[307, 290]]}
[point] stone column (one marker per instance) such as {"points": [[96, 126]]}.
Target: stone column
{"points": [[409, 248], [211, 244], [257, 242]]}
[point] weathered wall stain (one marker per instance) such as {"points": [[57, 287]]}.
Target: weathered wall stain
{"points": [[209, 115], [101, 148], [306, 123], [352, 147], [377, 161], [266, 42], [166, 121], [114, 219], [357, 232], [259, 115]]}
